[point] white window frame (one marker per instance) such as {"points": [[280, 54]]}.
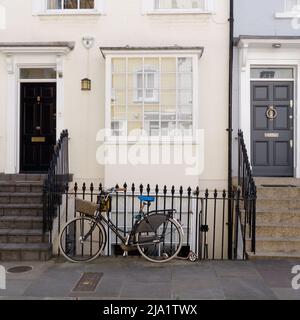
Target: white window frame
{"points": [[108, 90], [287, 14], [39, 7], [155, 94], [148, 7]]}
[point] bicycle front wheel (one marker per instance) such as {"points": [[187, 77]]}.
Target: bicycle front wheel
{"points": [[159, 238], [82, 239]]}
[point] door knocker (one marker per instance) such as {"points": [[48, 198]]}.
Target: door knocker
{"points": [[271, 113]]}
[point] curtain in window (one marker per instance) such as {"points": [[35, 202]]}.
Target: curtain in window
{"points": [[87, 4], [54, 4], [179, 4]]}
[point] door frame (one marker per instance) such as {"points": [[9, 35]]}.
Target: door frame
{"points": [[21, 81], [245, 100], [273, 81], [31, 54]]}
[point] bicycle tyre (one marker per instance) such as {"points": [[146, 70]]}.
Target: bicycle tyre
{"points": [[154, 250], [96, 240]]}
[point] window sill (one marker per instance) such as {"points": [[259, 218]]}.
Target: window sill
{"points": [[287, 15], [72, 13], [177, 12]]}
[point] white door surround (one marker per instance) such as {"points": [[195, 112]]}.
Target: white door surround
{"points": [[261, 53], [41, 55]]}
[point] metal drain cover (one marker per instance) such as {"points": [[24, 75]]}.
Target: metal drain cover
{"points": [[88, 282], [19, 269]]}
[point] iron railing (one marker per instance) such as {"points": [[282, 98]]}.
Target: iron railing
{"points": [[248, 191], [203, 214], [56, 181]]}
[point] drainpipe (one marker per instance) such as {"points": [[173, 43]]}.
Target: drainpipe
{"points": [[230, 129]]}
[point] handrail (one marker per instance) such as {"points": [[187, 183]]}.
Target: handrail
{"points": [[247, 186], [57, 180]]}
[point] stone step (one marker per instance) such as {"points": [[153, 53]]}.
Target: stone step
{"points": [[270, 244], [276, 181], [22, 177], [21, 210], [277, 230], [22, 236], [25, 252], [21, 222], [272, 193], [266, 255], [278, 216], [21, 187], [278, 203], [24, 198]]}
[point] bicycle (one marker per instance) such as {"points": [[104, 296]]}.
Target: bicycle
{"points": [[157, 235]]}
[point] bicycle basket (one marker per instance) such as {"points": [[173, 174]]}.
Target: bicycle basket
{"points": [[86, 207], [105, 206]]}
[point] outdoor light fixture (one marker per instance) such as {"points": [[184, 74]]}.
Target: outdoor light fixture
{"points": [[276, 45], [86, 84]]}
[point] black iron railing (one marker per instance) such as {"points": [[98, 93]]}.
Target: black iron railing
{"points": [[203, 214], [248, 192], [56, 181]]}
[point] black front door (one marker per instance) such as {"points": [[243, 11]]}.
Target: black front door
{"points": [[38, 126], [272, 128]]}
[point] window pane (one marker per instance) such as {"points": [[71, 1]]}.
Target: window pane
{"points": [[185, 65], [118, 128], [168, 65], [135, 127], [179, 4], [152, 94], [168, 97], [118, 113], [291, 5], [38, 73], [272, 73], [119, 65], [119, 81], [70, 4], [87, 4], [54, 4], [118, 97], [167, 127], [186, 128]]}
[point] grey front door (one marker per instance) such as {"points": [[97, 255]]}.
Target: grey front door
{"points": [[272, 128]]}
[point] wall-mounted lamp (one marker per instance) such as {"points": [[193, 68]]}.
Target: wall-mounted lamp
{"points": [[276, 45], [86, 84]]}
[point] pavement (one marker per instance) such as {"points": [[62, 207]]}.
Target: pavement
{"points": [[133, 278]]}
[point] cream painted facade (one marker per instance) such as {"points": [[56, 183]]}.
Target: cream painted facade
{"points": [[120, 24]]}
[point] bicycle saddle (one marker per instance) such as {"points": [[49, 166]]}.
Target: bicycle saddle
{"points": [[146, 199]]}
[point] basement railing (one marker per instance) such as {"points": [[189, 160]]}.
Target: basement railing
{"points": [[248, 191], [57, 181]]}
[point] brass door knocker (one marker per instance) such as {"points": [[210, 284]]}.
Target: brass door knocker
{"points": [[271, 113]]}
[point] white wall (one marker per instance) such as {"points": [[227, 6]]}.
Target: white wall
{"points": [[124, 25]]}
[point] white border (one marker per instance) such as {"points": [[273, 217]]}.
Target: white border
{"points": [[253, 57], [108, 86], [24, 57]]}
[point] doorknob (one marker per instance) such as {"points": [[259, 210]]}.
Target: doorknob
{"points": [[38, 128], [271, 113]]}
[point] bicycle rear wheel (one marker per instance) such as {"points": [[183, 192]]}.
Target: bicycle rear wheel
{"points": [[82, 239], [159, 238]]}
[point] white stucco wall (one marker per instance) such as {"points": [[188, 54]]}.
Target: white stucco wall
{"points": [[124, 24]]}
